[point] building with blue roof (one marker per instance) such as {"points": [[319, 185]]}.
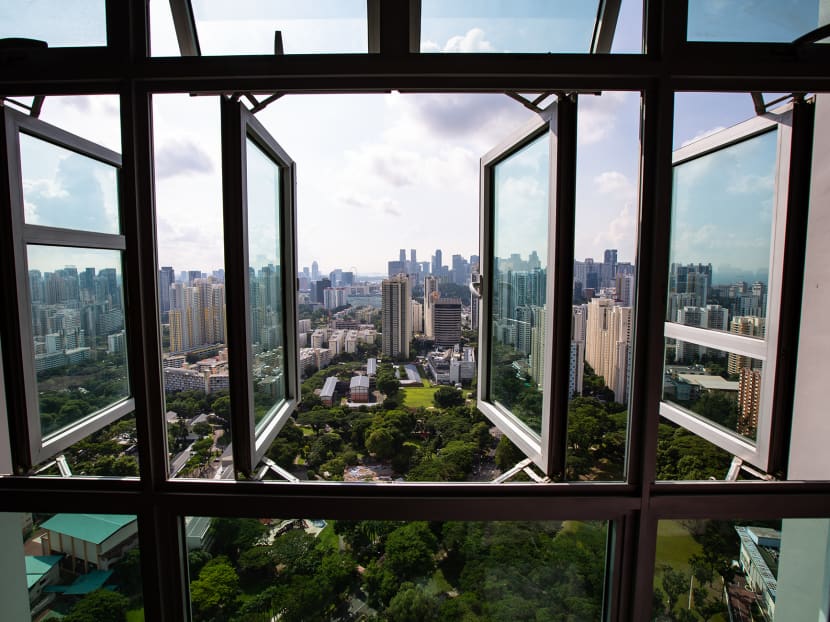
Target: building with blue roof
{"points": [[90, 541]]}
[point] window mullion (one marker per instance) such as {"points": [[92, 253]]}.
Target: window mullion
{"points": [[560, 300], [637, 565], [237, 282]]}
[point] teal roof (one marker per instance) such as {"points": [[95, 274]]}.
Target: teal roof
{"points": [[39, 565], [93, 528], [84, 584]]}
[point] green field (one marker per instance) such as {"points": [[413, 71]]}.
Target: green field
{"points": [[135, 615], [418, 397], [674, 547]]}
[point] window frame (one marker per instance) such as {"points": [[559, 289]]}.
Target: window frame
{"points": [[238, 126], [40, 447], [760, 452], [537, 446]]}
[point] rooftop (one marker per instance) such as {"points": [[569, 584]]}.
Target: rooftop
{"points": [[93, 528]]}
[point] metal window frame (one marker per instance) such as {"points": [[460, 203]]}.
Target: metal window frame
{"points": [[756, 452], [252, 440], [39, 446], [537, 447], [668, 65]]}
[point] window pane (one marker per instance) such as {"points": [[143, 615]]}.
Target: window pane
{"points": [[67, 23], [517, 26], [722, 212], [517, 365], [303, 569], [62, 188], [685, 456], [722, 387], [264, 212], [775, 21], [80, 345], [78, 565], [309, 27], [740, 570], [604, 287]]}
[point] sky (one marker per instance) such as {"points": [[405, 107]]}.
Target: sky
{"points": [[381, 172]]}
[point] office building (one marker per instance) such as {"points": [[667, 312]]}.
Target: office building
{"points": [[396, 316]]}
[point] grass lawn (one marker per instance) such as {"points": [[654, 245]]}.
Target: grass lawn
{"points": [[418, 397], [135, 615], [674, 547]]}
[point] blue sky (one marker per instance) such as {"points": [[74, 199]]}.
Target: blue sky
{"points": [[377, 173]]}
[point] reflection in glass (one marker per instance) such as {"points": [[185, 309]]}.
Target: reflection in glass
{"points": [[517, 364], [62, 188], [519, 26], [747, 569], [80, 345], [308, 27], [67, 23], [312, 569], [80, 565], [264, 211], [723, 387], [774, 21], [722, 208]]}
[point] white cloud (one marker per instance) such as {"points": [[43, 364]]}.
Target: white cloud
{"points": [[473, 41], [383, 206], [598, 115], [613, 182]]}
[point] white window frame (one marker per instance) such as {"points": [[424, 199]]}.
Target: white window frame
{"points": [[40, 447], [757, 453], [537, 447], [239, 125]]}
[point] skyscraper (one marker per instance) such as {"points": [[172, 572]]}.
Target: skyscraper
{"points": [[430, 296], [315, 271], [437, 262], [396, 316], [607, 344], [166, 279], [446, 320]]}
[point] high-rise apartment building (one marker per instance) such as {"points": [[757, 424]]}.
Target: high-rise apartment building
{"points": [[431, 294], [607, 344], [446, 319], [749, 326], [749, 400], [396, 318]]}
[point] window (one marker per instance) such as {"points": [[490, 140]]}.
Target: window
{"points": [[259, 206], [620, 533], [68, 253], [727, 241]]}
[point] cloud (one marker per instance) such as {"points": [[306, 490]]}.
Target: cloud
{"points": [[382, 205], [598, 116], [473, 41], [182, 157], [613, 182], [751, 184], [79, 196]]}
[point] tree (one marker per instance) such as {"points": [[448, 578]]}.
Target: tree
{"points": [[213, 594], [231, 536], [448, 397], [100, 606], [412, 604], [507, 454], [410, 551], [673, 582]]}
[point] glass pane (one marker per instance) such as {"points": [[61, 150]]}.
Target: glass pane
{"points": [[741, 569], [62, 188], [604, 287], [309, 27], [685, 456], [723, 387], [80, 344], [520, 250], [775, 21], [68, 23], [77, 566], [722, 209], [264, 211], [519, 26], [311, 569], [497, 26], [191, 283]]}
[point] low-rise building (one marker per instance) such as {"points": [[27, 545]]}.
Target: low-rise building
{"points": [[328, 391], [359, 389], [90, 541]]}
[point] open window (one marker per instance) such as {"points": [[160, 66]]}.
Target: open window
{"points": [[68, 252], [518, 208], [729, 217], [259, 187]]}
